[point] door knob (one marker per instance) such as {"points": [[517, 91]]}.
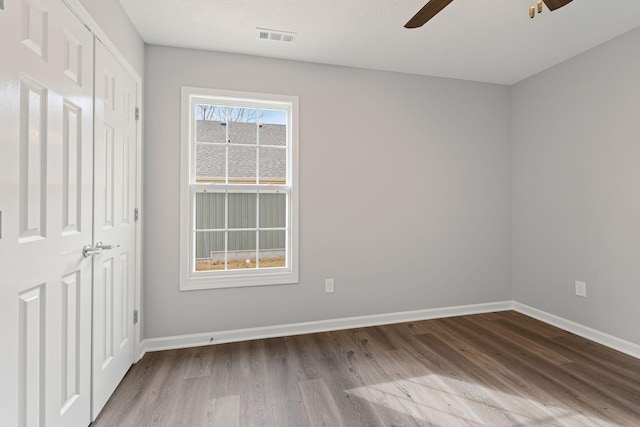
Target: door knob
{"points": [[104, 247], [88, 251]]}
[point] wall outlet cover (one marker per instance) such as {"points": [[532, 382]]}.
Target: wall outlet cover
{"points": [[581, 289], [329, 286]]}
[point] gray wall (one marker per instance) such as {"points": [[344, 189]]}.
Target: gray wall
{"points": [[112, 19], [415, 163], [575, 139]]}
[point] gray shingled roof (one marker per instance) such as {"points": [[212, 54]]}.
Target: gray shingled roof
{"points": [[210, 159]]}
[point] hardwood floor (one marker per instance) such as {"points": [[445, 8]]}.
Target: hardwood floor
{"points": [[499, 369]]}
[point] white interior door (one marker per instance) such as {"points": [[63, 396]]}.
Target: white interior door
{"points": [[46, 137], [114, 224]]}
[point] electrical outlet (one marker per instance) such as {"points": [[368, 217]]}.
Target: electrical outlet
{"points": [[328, 286], [581, 289]]}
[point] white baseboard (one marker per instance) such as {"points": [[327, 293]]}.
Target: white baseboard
{"points": [[607, 340], [219, 337]]}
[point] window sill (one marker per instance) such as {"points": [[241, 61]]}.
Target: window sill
{"points": [[238, 281]]}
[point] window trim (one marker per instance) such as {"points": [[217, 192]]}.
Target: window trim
{"points": [[234, 278]]}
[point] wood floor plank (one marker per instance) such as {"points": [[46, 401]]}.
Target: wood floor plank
{"points": [[304, 357], [130, 396], [594, 357], [593, 376], [573, 387], [258, 408], [372, 383], [319, 402], [380, 340], [493, 369], [282, 374], [223, 412], [611, 361], [461, 397], [339, 378], [459, 378], [532, 325], [527, 341], [512, 389], [191, 408], [425, 390], [158, 406], [503, 373], [227, 376], [201, 362]]}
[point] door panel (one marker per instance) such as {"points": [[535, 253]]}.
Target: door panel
{"points": [[114, 269], [46, 134]]}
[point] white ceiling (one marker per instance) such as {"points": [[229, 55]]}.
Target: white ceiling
{"points": [[483, 40]]}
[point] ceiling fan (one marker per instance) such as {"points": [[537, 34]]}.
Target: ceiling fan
{"points": [[433, 7]]}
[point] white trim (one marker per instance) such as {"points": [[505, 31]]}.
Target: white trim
{"points": [[220, 337], [190, 280], [139, 224], [605, 339]]}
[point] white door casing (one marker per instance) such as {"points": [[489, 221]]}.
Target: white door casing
{"points": [[46, 88], [114, 224]]}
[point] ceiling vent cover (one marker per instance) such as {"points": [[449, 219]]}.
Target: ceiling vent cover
{"points": [[275, 35]]}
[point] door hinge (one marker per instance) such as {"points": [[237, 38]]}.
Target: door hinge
{"points": [[135, 316], [137, 113], [136, 214]]}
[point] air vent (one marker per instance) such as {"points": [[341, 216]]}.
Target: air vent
{"points": [[275, 35]]}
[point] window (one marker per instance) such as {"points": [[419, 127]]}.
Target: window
{"points": [[238, 189]]}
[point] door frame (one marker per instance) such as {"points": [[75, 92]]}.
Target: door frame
{"points": [[81, 13]]}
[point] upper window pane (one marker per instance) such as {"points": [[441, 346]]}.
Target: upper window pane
{"points": [[273, 165], [243, 125], [210, 112], [242, 165], [209, 131], [273, 127], [210, 163], [211, 123]]}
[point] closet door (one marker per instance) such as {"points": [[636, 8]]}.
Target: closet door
{"points": [[46, 169], [114, 225]]}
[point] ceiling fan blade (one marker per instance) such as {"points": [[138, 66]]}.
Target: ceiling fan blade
{"points": [[556, 4], [427, 12]]}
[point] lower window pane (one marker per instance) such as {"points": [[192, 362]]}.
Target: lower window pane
{"points": [[209, 250], [242, 250], [272, 251], [209, 211], [273, 210]]}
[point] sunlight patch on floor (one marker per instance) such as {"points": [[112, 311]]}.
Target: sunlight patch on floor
{"points": [[449, 401]]}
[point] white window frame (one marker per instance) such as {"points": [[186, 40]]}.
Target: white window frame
{"points": [[191, 280]]}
